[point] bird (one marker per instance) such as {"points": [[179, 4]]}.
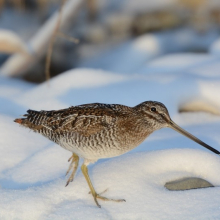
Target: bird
{"points": [[95, 131]]}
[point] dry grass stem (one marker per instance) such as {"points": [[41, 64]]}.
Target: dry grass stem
{"points": [[51, 43], [69, 38]]}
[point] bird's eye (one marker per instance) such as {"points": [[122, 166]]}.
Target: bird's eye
{"points": [[153, 109]]}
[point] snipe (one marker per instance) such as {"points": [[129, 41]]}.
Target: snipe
{"points": [[95, 131]]}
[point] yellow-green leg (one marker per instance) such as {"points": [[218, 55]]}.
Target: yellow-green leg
{"points": [[73, 165], [94, 194]]}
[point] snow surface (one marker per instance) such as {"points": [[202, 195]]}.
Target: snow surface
{"points": [[32, 169]]}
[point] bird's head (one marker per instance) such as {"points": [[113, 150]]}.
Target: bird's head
{"points": [[157, 116]]}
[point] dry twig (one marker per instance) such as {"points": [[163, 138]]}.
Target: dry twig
{"points": [[50, 47], [69, 38]]}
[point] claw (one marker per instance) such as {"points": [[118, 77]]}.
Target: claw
{"points": [[107, 199], [97, 196]]}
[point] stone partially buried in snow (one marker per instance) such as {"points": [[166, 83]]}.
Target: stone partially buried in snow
{"points": [[187, 183]]}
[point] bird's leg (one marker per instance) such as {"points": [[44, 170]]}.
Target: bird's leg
{"points": [[94, 194], [73, 165]]}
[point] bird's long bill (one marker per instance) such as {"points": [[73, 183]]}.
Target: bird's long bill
{"points": [[187, 134]]}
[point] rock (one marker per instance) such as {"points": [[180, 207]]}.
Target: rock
{"points": [[187, 183]]}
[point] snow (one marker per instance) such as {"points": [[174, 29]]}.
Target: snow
{"points": [[32, 168]]}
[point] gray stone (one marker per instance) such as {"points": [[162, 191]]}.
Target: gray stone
{"points": [[187, 183]]}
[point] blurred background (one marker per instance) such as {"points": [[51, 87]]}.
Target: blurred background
{"points": [[109, 51], [101, 34]]}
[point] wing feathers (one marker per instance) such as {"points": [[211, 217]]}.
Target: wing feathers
{"points": [[85, 120]]}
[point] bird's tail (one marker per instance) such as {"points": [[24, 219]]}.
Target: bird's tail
{"points": [[19, 120], [33, 120]]}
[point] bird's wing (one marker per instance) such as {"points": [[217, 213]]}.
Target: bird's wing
{"points": [[85, 121], [85, 124]]}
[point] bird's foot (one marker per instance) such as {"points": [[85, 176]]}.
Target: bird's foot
{"points": [[98, 196], [93, 192], [73, 166]]}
